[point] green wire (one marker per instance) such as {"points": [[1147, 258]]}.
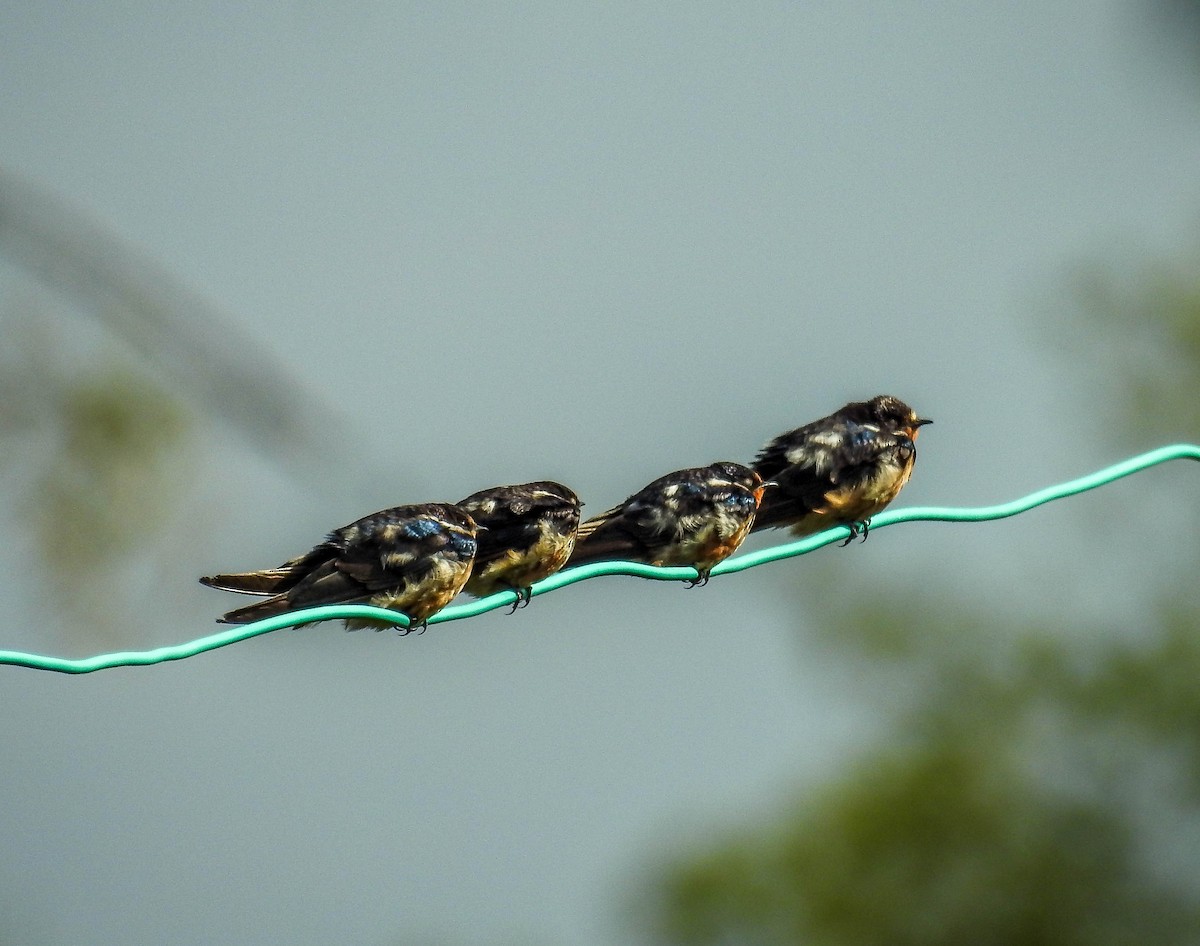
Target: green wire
{"points": [[738, 563]]}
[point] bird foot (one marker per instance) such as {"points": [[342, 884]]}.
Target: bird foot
{"points": [[862, 528], [524, 596]]}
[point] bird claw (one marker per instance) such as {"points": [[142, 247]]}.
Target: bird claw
{"points": [[862, 528], [697, 582], [524, 596]]}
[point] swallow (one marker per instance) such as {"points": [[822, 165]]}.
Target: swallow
{"points": [[841, 469], [413, 559], [528, 534], [695, 517]]}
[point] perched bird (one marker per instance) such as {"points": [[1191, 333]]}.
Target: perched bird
{"points": [[528, 533], [693, 517], [412, 559], [841, 469]]}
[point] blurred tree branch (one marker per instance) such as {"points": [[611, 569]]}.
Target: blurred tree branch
{"points": [[107, 366], [180, 337]]}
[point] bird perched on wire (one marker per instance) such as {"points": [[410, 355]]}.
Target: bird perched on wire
{"points": [[841, 469], [528, 531], [413, 559], [695, 517]]}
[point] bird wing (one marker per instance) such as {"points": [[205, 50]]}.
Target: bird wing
{"points": [[631, 531], [379, 553], [808, 462], [511, 522]]}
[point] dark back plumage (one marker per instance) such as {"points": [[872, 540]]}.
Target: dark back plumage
{"points": [[693, 517], [514, 517], [824, 468], [527, 531], [415, 557]]}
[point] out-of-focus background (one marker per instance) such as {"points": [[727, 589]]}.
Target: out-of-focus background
{"points": [[266, 269]]}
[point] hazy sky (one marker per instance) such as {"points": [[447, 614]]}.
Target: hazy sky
{"points": [[592, 243]]}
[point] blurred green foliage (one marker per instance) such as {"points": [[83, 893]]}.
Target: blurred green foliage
{"points": [[1144, 336], [944, 843], [1043, 786], [112, 475], [1006, 808], [96, 450]]}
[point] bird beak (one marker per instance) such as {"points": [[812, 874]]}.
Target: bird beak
{"points": [[915, 428], [762, 488]]}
